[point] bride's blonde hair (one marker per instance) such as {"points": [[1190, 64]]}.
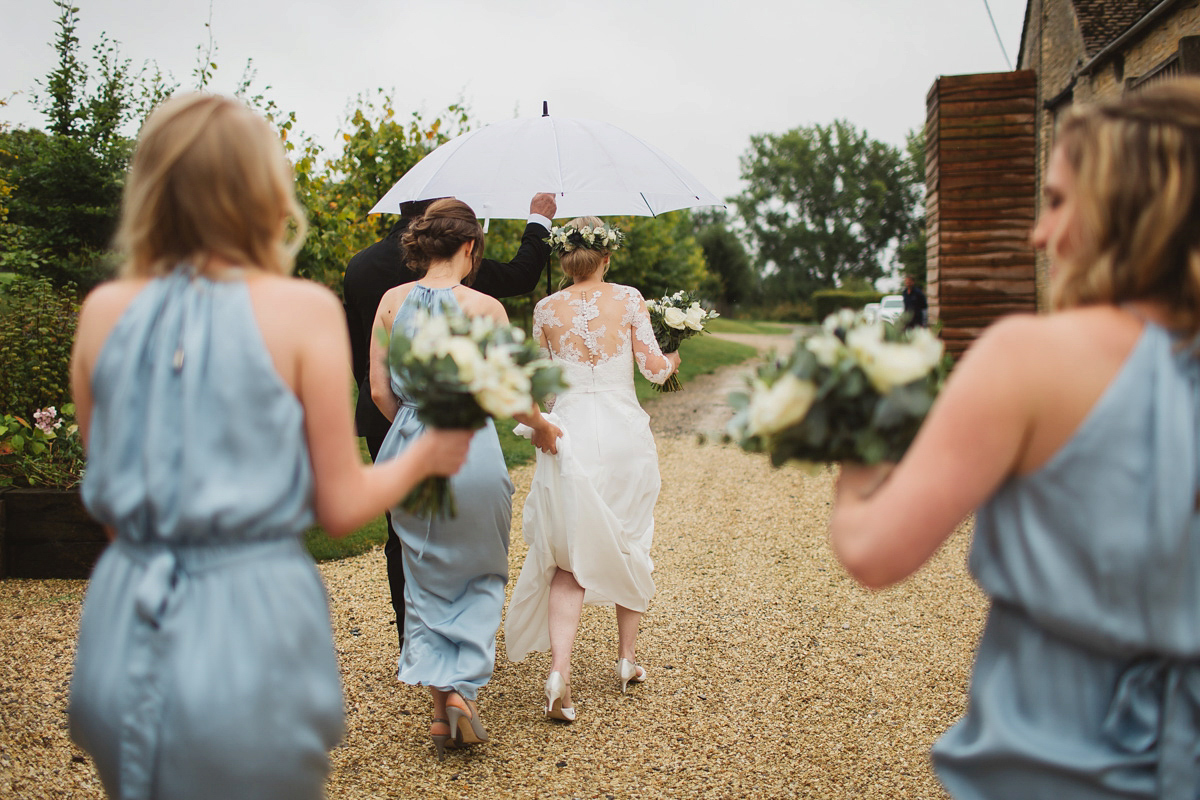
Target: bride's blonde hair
{"points": [[209, 178], [583, 261]]}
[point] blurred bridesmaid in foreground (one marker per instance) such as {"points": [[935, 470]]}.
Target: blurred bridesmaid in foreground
{"points": [[211, 390], [1076, 437]]}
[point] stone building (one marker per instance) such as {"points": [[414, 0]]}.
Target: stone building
{"points": [[1084, 50], [988, 138]]}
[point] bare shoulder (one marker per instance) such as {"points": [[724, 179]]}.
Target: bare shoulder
{"points": [[296, 296], [105, 304], [478, 304]]}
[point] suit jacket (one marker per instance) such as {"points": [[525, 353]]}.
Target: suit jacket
{"points": [[376, 269]]}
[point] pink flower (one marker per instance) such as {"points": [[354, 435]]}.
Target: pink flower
{"points": [[46, 419]]}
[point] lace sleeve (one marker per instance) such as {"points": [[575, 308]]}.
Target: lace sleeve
{"points": [[650, 359], [542, 316]]}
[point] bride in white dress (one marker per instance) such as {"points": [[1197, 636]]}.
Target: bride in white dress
{"points": [[589, 516]]}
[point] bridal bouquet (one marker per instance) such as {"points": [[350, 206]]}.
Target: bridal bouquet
{"points": [[459, 372], [674, 318], [857, 390]]}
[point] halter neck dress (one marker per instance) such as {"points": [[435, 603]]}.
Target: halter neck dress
{"points": [[454, 569], [1087, 679], [205, 666]]}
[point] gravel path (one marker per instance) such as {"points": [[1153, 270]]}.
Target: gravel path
{"points": [[771, 673]]}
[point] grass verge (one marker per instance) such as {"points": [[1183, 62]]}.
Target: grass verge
{"points": [[701, 355], [724, 325]]}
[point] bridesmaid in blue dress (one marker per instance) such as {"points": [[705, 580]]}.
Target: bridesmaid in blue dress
{"points": [[211, 392], [454, 569], [1077, 437]]}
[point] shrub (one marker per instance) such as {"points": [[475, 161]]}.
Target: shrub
{"points": [[35, 344], [48, 453], [828, 301]]}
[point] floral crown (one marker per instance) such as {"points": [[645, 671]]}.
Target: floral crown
{"points": [[568, 238]]}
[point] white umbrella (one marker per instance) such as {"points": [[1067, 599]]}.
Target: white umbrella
{"points": [[593, 167]]}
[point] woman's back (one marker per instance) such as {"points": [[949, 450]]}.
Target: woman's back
{"points": [[174, 456], [596, 331], [1101, 544]]}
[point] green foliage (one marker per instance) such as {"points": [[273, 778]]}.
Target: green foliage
{"points": [[911, 250], [48, 453], [66, 184], [823, 204], [378, 147], [35, 344], [659, 256], [828, 301], [794, 311], [729, 265], [726, 325]]}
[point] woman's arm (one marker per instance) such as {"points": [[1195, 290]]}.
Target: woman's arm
{"points": [[349, 493], [885, 526], [381, 377], [654, 365]]}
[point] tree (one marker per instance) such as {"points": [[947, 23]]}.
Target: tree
{"points": [[824, 204], [67, 182], [729, 265], [911, 252], [377, 148]]}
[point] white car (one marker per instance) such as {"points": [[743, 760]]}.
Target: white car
{"points": [[891, 307]]}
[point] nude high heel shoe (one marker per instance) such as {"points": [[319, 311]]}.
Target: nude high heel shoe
{"points": [[629, 672], [439, 739], [556, 691], [473, 731]]}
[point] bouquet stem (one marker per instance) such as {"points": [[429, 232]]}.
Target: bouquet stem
{"points": [[671, 384], [432, 498]]}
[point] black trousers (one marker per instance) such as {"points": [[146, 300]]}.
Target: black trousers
{"points": [[391, 552]]}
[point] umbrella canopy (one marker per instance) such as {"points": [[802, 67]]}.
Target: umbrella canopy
{"points": [[593, 167]]}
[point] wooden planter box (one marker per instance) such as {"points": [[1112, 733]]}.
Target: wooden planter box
{"points": [[46, 533]]}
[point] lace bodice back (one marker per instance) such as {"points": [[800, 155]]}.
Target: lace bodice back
{"points": [[596, 333]]}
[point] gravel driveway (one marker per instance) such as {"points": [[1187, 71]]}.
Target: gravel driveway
{"points": [[771, 674]]}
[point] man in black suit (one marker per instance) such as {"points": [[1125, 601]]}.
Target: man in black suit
{"points": [[914, 303], [379, 267]]}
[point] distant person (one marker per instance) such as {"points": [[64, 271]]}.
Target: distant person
{"points": [[1074, 437], [915, 305], [380, 267], [210, 389], [589, 516], [455, 569]]}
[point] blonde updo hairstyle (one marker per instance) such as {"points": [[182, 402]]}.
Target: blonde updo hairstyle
{"points": [[209, 178], [438, 234], [582, 262], [1136, 164]]}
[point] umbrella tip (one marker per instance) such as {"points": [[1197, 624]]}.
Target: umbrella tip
{"points": [[545, 109]]}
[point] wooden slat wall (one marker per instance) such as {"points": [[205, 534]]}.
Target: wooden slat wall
{"points": [[981, 201]]}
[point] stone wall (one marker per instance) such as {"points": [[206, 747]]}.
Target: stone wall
{"points": [[1053, 47]]}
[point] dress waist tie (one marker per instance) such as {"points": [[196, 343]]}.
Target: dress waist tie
{"points": [[167, 569], [1156, 707]]}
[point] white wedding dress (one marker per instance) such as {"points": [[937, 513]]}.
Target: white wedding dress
{"points": [[590, 509]]}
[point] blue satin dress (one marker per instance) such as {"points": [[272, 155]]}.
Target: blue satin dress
{"points": [[454, 569], [205, 666], [1087, 679]]}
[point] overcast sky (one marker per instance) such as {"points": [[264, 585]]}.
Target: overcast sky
{"points": [[696, 78]]}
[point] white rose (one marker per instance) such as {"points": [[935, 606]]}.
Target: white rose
{"points": [[778, 407], [674, 317], [892, 364], [466, 357], [828, 349], [503, 400], [694, 318]]}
